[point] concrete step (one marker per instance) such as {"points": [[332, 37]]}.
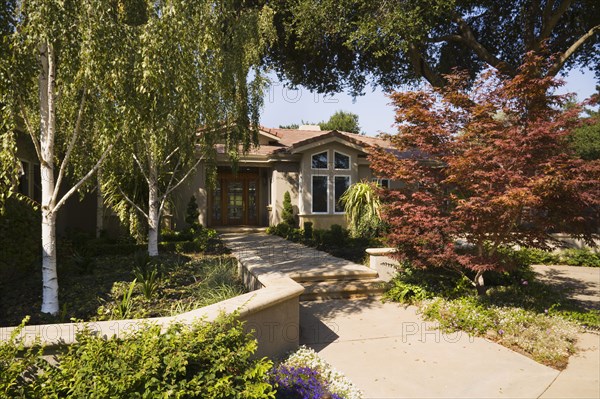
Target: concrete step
{"points": [[342, 289], [362, 273]]}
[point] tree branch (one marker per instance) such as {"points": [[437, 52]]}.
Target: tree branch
{"points": [[483, 53], [550, 20], [170, 190], [557, 66], [529, 25], [422, 68], [36, 142], [445, 38], [84, 178], [65, 162], [139, 164], [170, 155], [136, 206]]}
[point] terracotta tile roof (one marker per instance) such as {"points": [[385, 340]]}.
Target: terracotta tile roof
{"points": [[295, 137], [287, 139]]}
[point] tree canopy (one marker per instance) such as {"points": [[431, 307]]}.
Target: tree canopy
{"points": [[491, 166], [192, 65], [331, 45], [340, 120]]}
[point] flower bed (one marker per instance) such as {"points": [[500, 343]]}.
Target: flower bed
{"points": [[304, 375]]}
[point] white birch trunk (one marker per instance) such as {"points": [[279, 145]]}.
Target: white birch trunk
{"points": [[47, 133], [99, 206], [153, 208]]}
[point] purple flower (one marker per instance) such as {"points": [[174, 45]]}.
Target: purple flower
{"points": [[501, 332], [298, 383], [524, 282]]}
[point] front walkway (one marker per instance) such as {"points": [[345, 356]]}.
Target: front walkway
{"points": [[388, 351]]}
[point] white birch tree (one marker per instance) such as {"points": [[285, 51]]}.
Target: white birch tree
{"points": [[196, 66], [63, 86]]}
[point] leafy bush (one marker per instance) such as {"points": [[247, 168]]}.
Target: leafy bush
{"points": [[572, 257], [536, 256], [17, 366], [287, 214], [202, 360], [20, 238], [308, 231], [581, 257], [192, 213]]}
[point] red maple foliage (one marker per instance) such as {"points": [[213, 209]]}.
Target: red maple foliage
{"points": [[489, 165]]}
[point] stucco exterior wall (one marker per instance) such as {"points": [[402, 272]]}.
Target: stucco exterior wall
{"points": [[194, 185], [356, 172], [284, 178]]}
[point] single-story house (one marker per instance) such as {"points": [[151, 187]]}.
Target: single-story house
{"points": [[314, 166]]}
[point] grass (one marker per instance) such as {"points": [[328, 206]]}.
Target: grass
{"points": [[517, 312], [105, 289]]}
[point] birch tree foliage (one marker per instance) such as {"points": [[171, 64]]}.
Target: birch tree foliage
{"points": [[8, 162], [63, 80], [193, 65]]}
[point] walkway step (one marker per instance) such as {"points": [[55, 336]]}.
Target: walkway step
{"points": [[342, 289], [335, 275]]}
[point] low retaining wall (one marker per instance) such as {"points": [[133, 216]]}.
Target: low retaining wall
{"points": [[381, 261], [271, 312]]}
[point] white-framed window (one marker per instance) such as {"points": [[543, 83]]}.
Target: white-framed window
{"points": [[341, 161], [385, 183], [320, 194], [340, 185], [320, 160]]}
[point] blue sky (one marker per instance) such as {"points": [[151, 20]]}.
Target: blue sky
{"points": [[285, 106]]}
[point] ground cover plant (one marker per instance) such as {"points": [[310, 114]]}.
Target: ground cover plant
{"points": [[304, 375], [518, 312], [126, 286], [201, 360]]}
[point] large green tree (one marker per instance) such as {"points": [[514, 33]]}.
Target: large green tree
{"points": [[330, 45], [342, 121], [192, 65], [61, 71]]}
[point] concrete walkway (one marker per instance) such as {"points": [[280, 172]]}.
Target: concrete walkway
{"points": [[388, 351]]}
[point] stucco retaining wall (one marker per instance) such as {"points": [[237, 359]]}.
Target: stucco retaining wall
{"points": [[271, 312], [380, 260]]}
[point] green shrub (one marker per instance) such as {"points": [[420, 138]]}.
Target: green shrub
{"points": [[581, 257], [192, 213], [176, 236], [536, 256], [20, 239], [287, 214], [202, 360], [17, 365], [404, 292], [308, 231]]}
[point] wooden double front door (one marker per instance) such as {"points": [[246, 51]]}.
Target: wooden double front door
{"points": [[235, 200]]}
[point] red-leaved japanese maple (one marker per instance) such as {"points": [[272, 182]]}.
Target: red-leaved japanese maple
{"points": [[489, 165]]}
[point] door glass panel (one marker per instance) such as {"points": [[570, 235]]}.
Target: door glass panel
{"points": [[251, 200], [216, 215], [235, 202]]}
